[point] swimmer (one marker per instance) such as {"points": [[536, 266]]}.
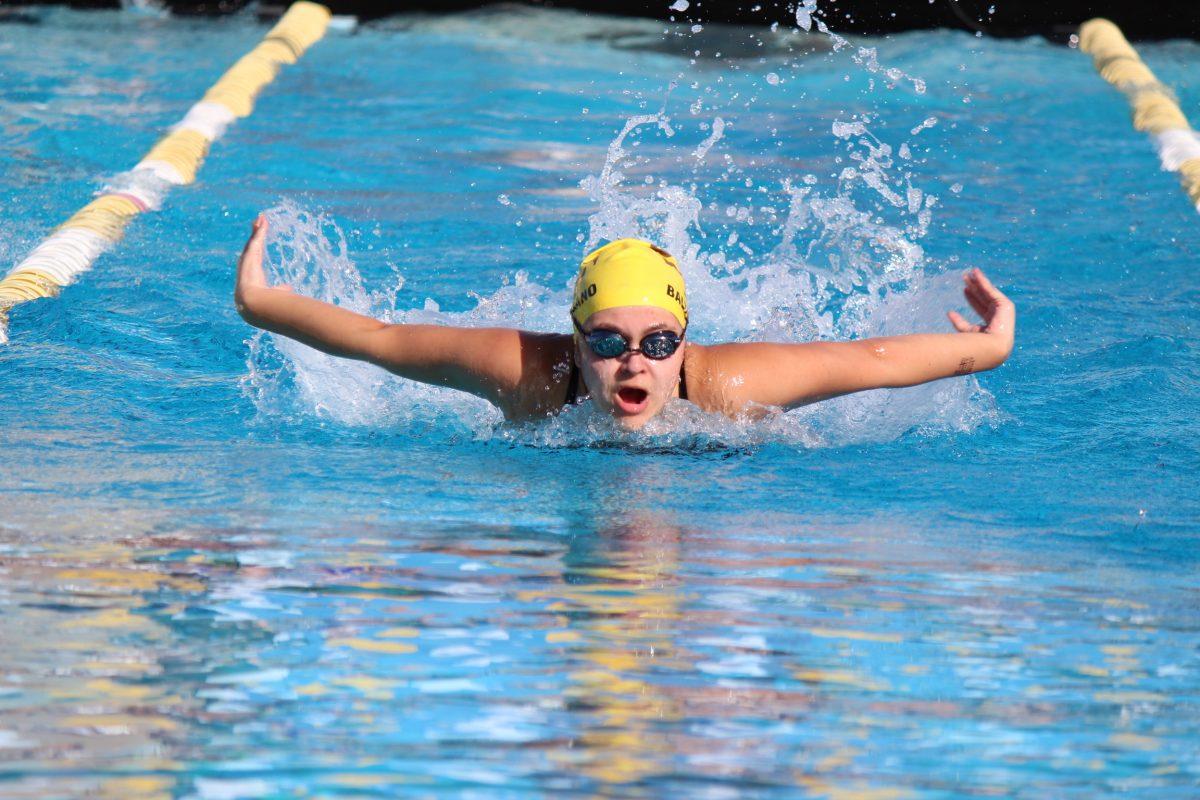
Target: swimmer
{"points": [[630, 353]]}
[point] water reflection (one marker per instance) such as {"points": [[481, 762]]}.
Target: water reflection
{"points": [[619, 605], [628, 651], [669, 683], [89, 700]]}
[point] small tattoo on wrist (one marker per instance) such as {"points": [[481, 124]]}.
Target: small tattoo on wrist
{"points": [[965, 367]]}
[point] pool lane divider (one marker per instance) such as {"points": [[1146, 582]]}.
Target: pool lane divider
{"points": [[1155, 109], [75, 245]]}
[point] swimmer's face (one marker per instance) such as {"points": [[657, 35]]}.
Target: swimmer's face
{"points": [[631, 387]]}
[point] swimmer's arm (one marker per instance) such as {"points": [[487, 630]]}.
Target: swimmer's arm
{"points": [[488, 362], [792, 375], [323, 326]]}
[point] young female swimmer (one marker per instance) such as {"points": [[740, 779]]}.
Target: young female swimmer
{"points": [[630, 354]]}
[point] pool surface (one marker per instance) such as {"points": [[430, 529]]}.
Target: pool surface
{"points": [[233, 568]]}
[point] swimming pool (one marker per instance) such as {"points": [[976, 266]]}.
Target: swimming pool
{"points": [[230, 568]]}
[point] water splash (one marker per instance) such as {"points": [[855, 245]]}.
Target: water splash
{"points": [[791, 263], [718, 131], [843, 267], [679, 428], [865, 57], [836, 272], [308, 251]]}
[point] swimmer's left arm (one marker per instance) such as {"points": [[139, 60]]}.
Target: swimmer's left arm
{"points": [[792, 375]]}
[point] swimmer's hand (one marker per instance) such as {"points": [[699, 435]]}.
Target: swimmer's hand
{"points": [[998, 313], [251, 277]]}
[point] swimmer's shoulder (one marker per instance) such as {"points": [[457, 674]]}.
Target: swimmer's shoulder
{"points": [[546, 362], [702, 374], [719, 376]]}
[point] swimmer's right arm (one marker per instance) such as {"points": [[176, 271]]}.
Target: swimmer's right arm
{"points": [[483, 361]]}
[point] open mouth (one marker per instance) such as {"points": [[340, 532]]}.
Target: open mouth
{"points": [[631, 400]]}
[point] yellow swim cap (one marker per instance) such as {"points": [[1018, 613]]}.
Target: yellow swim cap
{"points": [[629, 272]]}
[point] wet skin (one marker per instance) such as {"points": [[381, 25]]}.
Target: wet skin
{"points": [[631, 387]]}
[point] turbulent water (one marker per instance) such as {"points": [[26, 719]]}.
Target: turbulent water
{"points": [[769, 253], [231, 567]]}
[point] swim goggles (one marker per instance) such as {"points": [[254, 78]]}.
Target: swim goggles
{"points": [[610, 344]]}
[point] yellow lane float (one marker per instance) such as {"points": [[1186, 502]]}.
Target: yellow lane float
{"points": [[1155, 110], [73, 247]]}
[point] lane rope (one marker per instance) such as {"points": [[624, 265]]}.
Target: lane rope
{"points": [[1155, 109], [73, 247]]}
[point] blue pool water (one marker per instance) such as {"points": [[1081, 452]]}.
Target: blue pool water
{"points": [[231, 568]]}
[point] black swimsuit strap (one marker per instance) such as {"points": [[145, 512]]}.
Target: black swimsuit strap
{"points": [[572, 384]]}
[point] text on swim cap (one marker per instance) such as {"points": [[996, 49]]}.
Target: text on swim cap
{"points": [[677, 296], [583, 296]]}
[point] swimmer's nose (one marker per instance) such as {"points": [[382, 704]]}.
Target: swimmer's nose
{"points": [[633, 362]]}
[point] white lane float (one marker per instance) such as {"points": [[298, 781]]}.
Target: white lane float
{"points": [[74, 246]]}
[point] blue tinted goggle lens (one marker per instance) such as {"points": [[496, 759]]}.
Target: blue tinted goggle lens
{"points": [[610, 344]]}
